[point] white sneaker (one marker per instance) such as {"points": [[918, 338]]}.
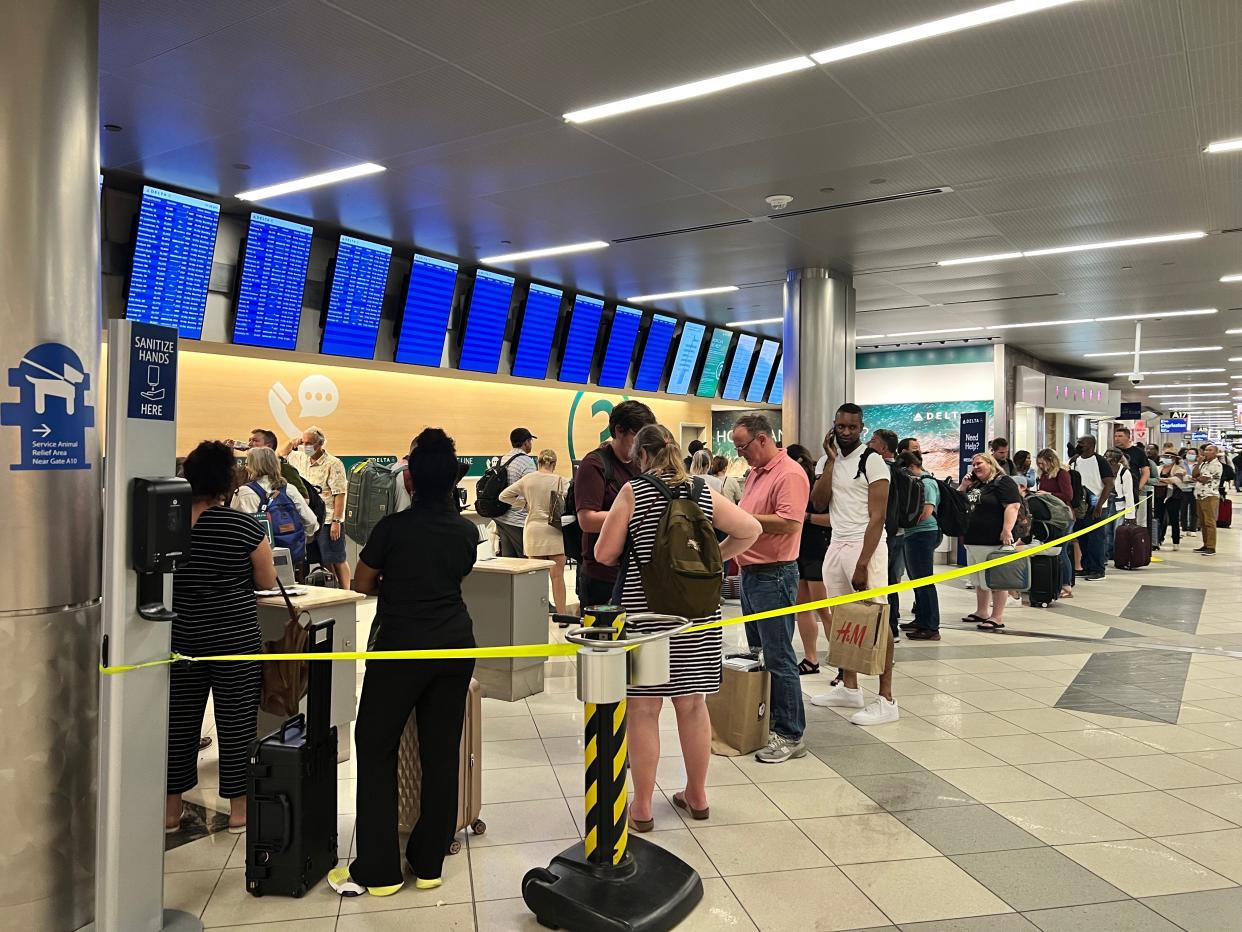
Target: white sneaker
{"points": [[840, 697], [880, 712]]}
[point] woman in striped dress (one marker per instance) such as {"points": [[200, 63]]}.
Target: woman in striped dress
{"points": [[695, 658]]}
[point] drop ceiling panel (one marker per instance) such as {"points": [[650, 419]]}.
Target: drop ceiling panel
{"points": [[1211, 22], [1124, 218], [152, 121], [636, 184], [912, 216], [1217, 72], [131, 31], [845, 185], [1019, 278]]}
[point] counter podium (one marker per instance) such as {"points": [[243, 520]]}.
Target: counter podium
{"points": [[508, 602]]}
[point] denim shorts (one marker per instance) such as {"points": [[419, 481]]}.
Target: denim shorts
{"points": [[330, 551]]}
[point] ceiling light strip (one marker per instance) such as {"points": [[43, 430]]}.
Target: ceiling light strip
{"points": [[546, 251], [1223, 145], [693, 292], [1188, 349], [311, 181], [1079, 247]]}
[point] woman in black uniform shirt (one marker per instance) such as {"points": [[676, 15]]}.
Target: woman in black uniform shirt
{"points": [[415, 561]]}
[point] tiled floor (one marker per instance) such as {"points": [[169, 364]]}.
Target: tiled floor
{"points": [[1086, 778]]}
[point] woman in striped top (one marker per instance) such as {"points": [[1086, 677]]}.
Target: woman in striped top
{"points": [[213, 596], [695, 658]]}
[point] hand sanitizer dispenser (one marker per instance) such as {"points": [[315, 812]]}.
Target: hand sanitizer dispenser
{"points": [[160, 539]]}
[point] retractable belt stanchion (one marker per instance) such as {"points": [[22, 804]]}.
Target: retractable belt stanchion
{"points": [[610, 882]]}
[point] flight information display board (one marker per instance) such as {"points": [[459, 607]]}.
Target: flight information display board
{"points": [[543, 307], [713, 365], [273, 277], [763, 370], [485, 322], [777, 394], [427, 305], [172, 261], [356, 298], [738, 368], [615, 370], [581, 340], [687, 355], [655, 353]]}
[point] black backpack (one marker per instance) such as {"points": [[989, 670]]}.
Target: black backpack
{"points": [[953, 512], [571, 532], [1078, 496], [905, 496], [487, 493], [316, 503]]}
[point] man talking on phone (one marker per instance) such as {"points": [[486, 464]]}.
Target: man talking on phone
{"points": [[327, 473], [854, 491]]}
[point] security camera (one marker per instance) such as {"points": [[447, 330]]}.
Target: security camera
{"points": [[1136, 379]]}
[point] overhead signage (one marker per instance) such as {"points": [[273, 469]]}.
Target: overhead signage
{"points": [[51, 410], [1173, 425], [973, 427], [1199, 436], [1131, 411], [152, 372], [1179, 414]]}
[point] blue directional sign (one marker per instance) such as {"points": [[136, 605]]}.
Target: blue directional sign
{"points": [[51, 410]]}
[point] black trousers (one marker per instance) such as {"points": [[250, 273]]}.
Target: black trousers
{"points": [[1171, 517], [435, 692], [593, 592]]}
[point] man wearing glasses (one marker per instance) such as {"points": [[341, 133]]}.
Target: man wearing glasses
{"points": [[776, 494]]}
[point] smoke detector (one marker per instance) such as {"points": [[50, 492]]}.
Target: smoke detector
{"points": [[779, 201]]}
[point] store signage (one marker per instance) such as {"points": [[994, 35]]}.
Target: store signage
{"points": [[1077, 395]]}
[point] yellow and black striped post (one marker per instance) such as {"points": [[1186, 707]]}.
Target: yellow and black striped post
{"points": [[606, 763]]}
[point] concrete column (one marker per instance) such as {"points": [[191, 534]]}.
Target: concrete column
{"points": [[49, 459], [818, 353]]}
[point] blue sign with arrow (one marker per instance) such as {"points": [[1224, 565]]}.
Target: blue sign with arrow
{"points": [[52, 410]]}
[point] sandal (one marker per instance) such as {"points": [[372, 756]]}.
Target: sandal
{"points": [[806, 668], [643, 826], [679, 800], [989, 625], [978, 619]]}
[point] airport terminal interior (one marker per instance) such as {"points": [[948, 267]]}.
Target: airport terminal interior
{"points": [[989, 252]]}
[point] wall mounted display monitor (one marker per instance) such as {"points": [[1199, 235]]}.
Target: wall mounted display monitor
{"points": [[356, 298], [655, 353], [713, 365], [618, 356], [581, 340], [273, 277], [424, 322], [687, 355], [777, 395], [742, 355], [534, 344], [173, 249], [763, 370], [485, 322]]}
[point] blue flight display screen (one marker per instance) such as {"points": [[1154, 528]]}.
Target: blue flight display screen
{"points": [[427, 307], [737, 370], [763, 370], [655, 353], [356, 298], [172, 261], [485, 322], [777, 395], [273, 276], [543, 306], [620, 352], [713, 364], [580, 343], [687, 356]]}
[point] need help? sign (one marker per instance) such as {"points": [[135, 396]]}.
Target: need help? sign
{"points": [[152, 372]]}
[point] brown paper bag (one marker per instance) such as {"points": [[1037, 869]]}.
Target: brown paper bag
{"points": [[859, 638], [739, 712]]}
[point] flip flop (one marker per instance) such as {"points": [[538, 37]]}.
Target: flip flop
{"points": [[979, 619], [642, 826], [989, 625], [679, 800]]}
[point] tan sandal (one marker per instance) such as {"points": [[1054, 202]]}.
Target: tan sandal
{"points": [[641, 827], [679, 800]]}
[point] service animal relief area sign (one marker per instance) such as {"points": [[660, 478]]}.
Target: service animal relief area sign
{"points": [[52, 410], [152, 372]]}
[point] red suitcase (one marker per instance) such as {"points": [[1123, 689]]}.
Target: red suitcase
{"points": [[1132, 548], [1224, 517]]}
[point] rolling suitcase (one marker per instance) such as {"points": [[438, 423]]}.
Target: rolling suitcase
{"points": [[469, 774], [1045, 579], [291, 792], [1224, 517], [1132, 549]]}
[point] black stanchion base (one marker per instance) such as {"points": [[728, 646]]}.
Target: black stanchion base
{"points": [[650, 891]]}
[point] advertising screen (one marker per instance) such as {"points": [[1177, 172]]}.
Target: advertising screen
{"points": [[777, 394], [687, 356], [172, 261], [739, 367], [273, 276], [655, 353], [620, 352], [356, 298], [580, 343], [543, 306], [713, 365], [763, 370], [427, 305], [485, 321]]}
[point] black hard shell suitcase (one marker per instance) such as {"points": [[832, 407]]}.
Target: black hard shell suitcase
{"points": [[1045, 580], [291, 792], [1132, 548]]}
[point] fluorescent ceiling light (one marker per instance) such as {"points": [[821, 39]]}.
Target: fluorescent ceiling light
{"points": [[1187, 385], [752, 323], [701, 88], [668, 295], [1177, 372], [1149, 316], [546, 251], [1233, 331], [311, 181], [1080, 247], [1231, 278], [1042, 323], [920, 333], [1181, 395], [1223, 145], [1188, 349], [937, 27]]}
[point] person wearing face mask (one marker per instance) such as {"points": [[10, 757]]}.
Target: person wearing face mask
{"points": [[1173, 479], [1190, 511], [326, 472]]}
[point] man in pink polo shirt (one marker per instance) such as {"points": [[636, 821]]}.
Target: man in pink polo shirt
{"points": [[776, 494]]}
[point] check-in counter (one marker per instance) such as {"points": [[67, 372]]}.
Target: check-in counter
{"points": [[321, 603], [508, 602]]}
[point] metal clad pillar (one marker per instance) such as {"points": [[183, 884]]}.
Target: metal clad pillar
{"points": [[818, 353], [49, 383]]}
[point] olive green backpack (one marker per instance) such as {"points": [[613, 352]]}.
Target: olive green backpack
{"points": [[685, 572]]}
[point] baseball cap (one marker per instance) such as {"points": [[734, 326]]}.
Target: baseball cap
{"points": [[519, 435]]}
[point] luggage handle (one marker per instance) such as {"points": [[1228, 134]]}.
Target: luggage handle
{"points": [[319, 688], [286, 819], [298, 720]]}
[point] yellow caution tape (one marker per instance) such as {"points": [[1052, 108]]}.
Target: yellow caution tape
{"points": [[569, 650]]}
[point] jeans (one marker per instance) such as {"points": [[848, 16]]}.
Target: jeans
{"points": [[1094, 544], [1171, 517], [764, 589], [1110, 530], [1067, 565], [920, 556], [1190, 511], [896, 568]]}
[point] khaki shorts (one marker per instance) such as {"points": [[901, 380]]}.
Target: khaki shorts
{"points": [[842, 558]]}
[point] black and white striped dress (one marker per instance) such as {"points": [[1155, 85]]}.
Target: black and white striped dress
{"points": [[695, 658]]}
